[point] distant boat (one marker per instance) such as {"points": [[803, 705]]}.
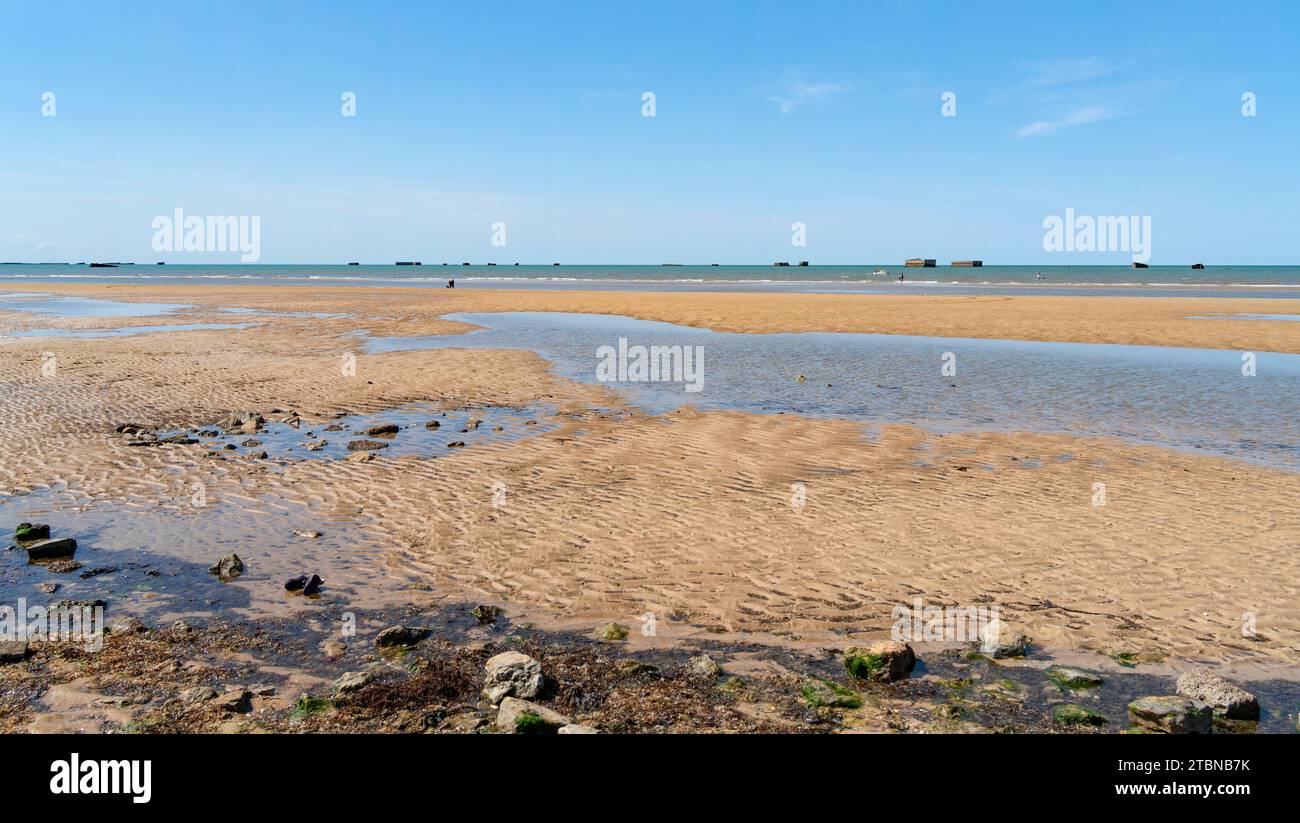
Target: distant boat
{"points": [[354, 264], [1141, 266], [407, 263], [103, 265], [881, 272], [1198, 265]]}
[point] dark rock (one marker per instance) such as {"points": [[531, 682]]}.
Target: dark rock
{"points": [[46, 549], [49, 588], [238, 700], [400, 636], [63, 566], [98, 570], [227, 567], [487, 614], [13, 651], [32, 532], [456, 444], [432, 424], [383, 430], [365, 445]]}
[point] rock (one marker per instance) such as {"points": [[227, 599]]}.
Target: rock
{"points": [[197, 694], [307, 533], [227, 567], [612, 632], [1072, 714], [361, 457], [456, 444], [312, 586], [521, 717], [463, 723], [381, 431], [432, 424], [32, 531], [317, 445], [350, 682], [574, 728], [62, 566], [76, 605], [1226, 699], [487, 614], [511, 674], [1068, 677], [46, 549], [237, 699], [294, 584], [365, 445], [262, 690], [703, 666], [96, 571], [819, 693], [883, 662], [13, 651], [251, 442], [333, 427], [400, 636], [49, 588], [999, 640], [256, 456], [125, 624], [1170, 714]]}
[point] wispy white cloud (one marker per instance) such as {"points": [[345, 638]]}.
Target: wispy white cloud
{"points": [[1078, 117], [1072, 70], [800, 93]]}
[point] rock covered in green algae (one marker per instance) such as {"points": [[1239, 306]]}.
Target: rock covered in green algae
{"points": [[1171, 714], [819, 693], [31, 531], [1068, 677], [1072, 714], [882, 662], [612, 632], [521, 717]]}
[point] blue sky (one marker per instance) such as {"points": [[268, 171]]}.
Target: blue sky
{"points": [[767, 114]]}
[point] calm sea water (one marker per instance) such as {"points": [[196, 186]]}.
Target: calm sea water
{"points": [[1218, 281], [1187, 399]]}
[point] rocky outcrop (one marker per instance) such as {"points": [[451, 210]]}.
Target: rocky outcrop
{"points": [[400, 636], [998, 640], [1170, 714], [227, 567], [350, 682], [1228, 700], [512, 674], [521, 717], [882, 662], [51, 549]]}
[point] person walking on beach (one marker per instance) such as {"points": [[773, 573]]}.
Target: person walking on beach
{"points": [[451, 284]]}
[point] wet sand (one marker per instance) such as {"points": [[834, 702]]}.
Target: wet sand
{"points": [[609, 513]]}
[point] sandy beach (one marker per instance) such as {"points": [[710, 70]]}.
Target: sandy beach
{"points": [[613, 513]]}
